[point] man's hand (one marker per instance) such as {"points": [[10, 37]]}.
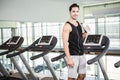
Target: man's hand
{"points": [[87, 29], [70, 62]]}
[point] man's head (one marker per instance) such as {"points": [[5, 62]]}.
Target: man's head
{"points": [[74, 11]]}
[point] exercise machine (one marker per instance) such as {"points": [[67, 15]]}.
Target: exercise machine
{"points": [[44, 45], [94, 43], [8, 47], [99, 44], [117, 64]]}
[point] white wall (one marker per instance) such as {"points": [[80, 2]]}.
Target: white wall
{"points": [[34, 10]]}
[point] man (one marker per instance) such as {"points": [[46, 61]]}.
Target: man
{"points": [[73, 45]]}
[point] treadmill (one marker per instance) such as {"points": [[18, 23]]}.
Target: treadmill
{"points": [[117, 64], [94, 43], [44, 44], [8, 47]]}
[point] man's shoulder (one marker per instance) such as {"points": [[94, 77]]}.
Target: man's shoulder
{"points": [[67, 24]]}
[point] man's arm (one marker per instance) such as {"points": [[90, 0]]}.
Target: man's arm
{"points": [[84, 35], [86, 31], [65, 36]]}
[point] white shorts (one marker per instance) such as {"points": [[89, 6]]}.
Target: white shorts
{"points": [[79, 66]]}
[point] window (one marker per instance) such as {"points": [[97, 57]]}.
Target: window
{"points": [[91, 23], [109, 26]]}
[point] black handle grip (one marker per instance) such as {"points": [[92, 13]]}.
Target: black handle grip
{"points": [[3, 53], [117, 65], [39, 55], [58, 57], [17, 53]]}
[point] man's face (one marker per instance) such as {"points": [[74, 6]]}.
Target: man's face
{"points": [[74, 13]]}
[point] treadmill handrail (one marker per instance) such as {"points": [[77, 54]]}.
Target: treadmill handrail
{"points": [[97, 57], [20, 52], [40, 55], [91, 60], [117, 65], [16, 53], [101, 54], [5, 52], [28, 48], [45, 52], [58, 57], [63, 55], [14, 48]]}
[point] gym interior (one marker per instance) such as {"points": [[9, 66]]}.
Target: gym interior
{"points": [[32, 19]]}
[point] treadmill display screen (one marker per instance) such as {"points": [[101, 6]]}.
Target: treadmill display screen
{"points": [[93, 40], [45, 40], [14, 40]]}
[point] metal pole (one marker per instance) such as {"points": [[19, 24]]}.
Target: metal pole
{"points": [[28, 67], [18, 68], [50, 67], [3, 70], [98, 71], [100, 61]]}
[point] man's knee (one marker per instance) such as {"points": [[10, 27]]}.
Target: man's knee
{"points": [[71, 78], [81, 76]]}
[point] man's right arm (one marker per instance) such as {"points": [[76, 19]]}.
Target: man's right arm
{"points": [[65, 36]]}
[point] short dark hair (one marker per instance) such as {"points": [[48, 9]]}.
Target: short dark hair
{"points": [[73, 5]]}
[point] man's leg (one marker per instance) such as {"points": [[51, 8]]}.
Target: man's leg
{"points": [[82, 68], [71, 78], [72, 71], [81, 76]]}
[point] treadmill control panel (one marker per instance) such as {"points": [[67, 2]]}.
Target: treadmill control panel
{"points": [[45, 40], [93, 40], [14, 40]]}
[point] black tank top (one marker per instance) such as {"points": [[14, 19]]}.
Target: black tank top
{"points": [[76, 40]]}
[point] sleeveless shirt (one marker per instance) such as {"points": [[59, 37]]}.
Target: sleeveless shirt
{"points": [[75, 40]]}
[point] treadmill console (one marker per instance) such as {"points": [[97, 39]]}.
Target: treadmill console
{"points": [[14, 40], [93, 40], [45, 40]]}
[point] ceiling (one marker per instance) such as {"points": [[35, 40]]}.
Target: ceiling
{"points": [[89, 2], [44, 10]]}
